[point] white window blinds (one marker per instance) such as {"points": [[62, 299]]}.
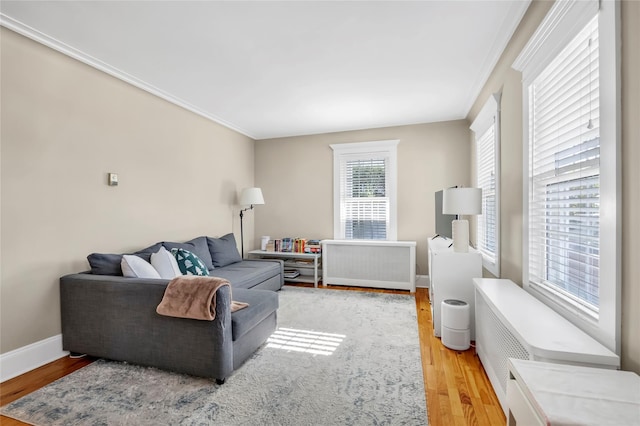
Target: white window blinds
{"points": [[486, 170], [486, 128], [365, 190], [365, 204], [564, 173]]}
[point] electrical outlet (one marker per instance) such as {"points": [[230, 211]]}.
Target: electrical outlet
{"points": [[113, 179]]}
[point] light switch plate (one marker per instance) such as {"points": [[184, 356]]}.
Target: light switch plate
{"points": [[113, 179]]}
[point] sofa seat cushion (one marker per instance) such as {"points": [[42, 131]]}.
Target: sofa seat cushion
{"points": [[262, 303], [248, 273]]}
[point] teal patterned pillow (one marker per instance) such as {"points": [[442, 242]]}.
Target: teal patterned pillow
{"points": [[189, 263]]}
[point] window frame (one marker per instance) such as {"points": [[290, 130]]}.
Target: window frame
{"points": [[489, 116], [384, 148], [563, 22]]}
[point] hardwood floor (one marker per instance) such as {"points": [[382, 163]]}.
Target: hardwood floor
{"points": [[457, 389], [20, 386]]}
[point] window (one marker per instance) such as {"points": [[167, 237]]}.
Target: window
{"points": [[487, 138], [567, 238], [564, 244], [365, 190], [571, 249]]}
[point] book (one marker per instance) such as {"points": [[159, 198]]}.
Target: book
{"points": [[287, 244], [299, 245]]}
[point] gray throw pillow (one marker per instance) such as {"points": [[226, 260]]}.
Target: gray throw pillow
{"points": [[109, 264], [146, 253], [197, 246], [224, 250]]}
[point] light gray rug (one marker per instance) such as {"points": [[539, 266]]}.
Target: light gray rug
{"points": [[337, 358]]}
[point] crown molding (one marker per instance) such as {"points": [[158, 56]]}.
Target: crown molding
{"points": [[44, 39], [505, 32]]}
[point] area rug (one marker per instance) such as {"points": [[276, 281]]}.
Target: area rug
{"points": [[337, 358]]}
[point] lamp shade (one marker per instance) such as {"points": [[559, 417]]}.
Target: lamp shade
{"points": [[462, 201], [251, 196]]}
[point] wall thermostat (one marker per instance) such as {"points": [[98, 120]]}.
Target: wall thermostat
{"points": [[113, 179]]}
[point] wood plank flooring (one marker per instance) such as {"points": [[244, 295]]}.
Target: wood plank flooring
{"points": [[457, 389], [20, 386]]}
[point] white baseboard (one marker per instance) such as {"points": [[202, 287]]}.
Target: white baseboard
{"points": [[422, 281], [27, 358]]}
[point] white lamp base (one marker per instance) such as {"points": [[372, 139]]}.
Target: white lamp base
{"points": [[460, 235]]}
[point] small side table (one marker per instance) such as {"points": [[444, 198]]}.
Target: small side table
{"points": [[541, 393], [294, 260]]}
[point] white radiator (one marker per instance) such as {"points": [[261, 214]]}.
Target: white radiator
{"points": [[378, 264], [511, 323]]}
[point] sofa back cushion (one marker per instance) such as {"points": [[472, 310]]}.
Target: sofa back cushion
{"points": [[109, 264], [105, 263], [224, 250], [197, 246]]}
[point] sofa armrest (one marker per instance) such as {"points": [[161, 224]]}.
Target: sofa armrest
{"points": [[115, 318]]}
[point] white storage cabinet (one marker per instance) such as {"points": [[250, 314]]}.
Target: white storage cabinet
{"points": [[451, 277]]}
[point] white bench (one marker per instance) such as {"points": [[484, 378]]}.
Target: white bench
{"points": [[511, 323]]}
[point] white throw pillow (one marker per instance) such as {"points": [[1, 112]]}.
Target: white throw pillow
{"points": [[136, 267], [166, 264]]}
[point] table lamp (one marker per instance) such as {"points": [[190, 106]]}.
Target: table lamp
{"points": [[461, 201]]}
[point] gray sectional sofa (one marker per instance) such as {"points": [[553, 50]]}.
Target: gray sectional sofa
{"points": [[110, 316]]}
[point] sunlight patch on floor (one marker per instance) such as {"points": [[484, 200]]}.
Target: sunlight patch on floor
{"points": [[313, 342]]}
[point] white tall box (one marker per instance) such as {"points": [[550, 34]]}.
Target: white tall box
{"points": [[451, 276]]}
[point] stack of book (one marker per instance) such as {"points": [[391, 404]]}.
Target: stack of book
{"points": [[313, 246], [294, 245], [280, 245], [291, 273]]}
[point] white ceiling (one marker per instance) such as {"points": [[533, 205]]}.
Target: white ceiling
{"points": [[283, 68]]}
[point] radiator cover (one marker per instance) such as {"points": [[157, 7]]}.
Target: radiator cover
{"points": [[495, 344], [511, 323], [378, 264]]}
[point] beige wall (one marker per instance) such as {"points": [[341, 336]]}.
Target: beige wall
{"points": [[64, 126], [296, 176], [509, 80]]}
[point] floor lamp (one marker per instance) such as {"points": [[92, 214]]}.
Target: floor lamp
{"points": [[461, 201], [248, 197]]}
